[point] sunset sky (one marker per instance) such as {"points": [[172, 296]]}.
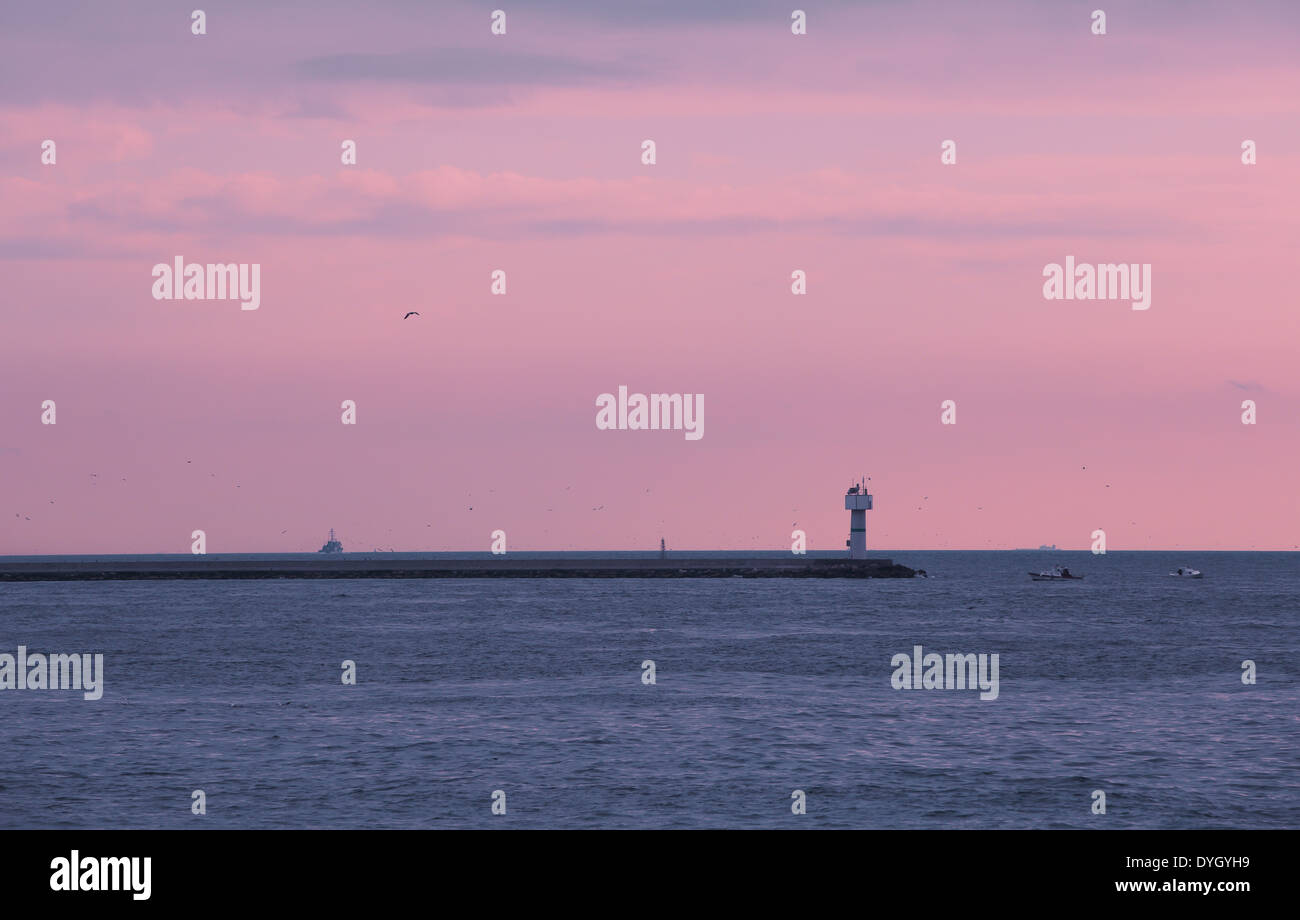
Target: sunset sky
{"points": [[522, 152]]}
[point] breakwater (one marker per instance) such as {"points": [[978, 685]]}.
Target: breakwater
{"points": [[373, 566]]}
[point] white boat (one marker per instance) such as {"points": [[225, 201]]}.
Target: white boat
{"points": [[1057, 574], [1186, 571]]}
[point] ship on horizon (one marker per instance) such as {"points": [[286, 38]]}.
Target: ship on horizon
{"points": [[333, 546]]}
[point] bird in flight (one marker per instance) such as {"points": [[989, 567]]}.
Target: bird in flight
{"points": [[409, 315]]}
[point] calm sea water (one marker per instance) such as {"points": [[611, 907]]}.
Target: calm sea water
{"points": [[1128, 682]]}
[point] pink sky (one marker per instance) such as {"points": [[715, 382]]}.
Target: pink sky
{"points": [[522, 152]]}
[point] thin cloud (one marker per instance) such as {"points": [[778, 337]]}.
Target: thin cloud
{"points": [[469, 66]]}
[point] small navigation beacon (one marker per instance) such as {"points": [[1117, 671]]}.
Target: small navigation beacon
{"points": [[857, 501]]}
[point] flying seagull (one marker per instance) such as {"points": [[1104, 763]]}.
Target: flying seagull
{"points": [[409, 315]]}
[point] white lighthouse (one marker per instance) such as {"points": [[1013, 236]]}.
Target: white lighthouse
{"points": [[857, 501]]}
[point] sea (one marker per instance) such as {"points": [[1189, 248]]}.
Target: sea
{"points": [[1130, 699]]}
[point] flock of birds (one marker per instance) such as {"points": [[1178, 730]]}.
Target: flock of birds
{"points": [[95, 476], [411, 313]]}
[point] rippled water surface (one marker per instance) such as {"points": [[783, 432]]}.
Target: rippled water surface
{"points": [[1128, 682]]}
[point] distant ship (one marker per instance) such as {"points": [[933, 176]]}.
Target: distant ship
{"points": [[333, 546], [1045, 546]]}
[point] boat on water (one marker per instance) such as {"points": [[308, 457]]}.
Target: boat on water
{"points": [[333, 546], [1056, 574], [1186, 571]]}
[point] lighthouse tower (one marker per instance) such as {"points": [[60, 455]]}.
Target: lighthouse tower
{"points": [[857, 501]]}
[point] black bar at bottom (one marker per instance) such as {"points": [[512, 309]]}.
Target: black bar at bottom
{"points": [[635, 871]]}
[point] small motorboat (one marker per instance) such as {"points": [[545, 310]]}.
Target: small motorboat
{"points": [[1057, 574], [1186, 571]]}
